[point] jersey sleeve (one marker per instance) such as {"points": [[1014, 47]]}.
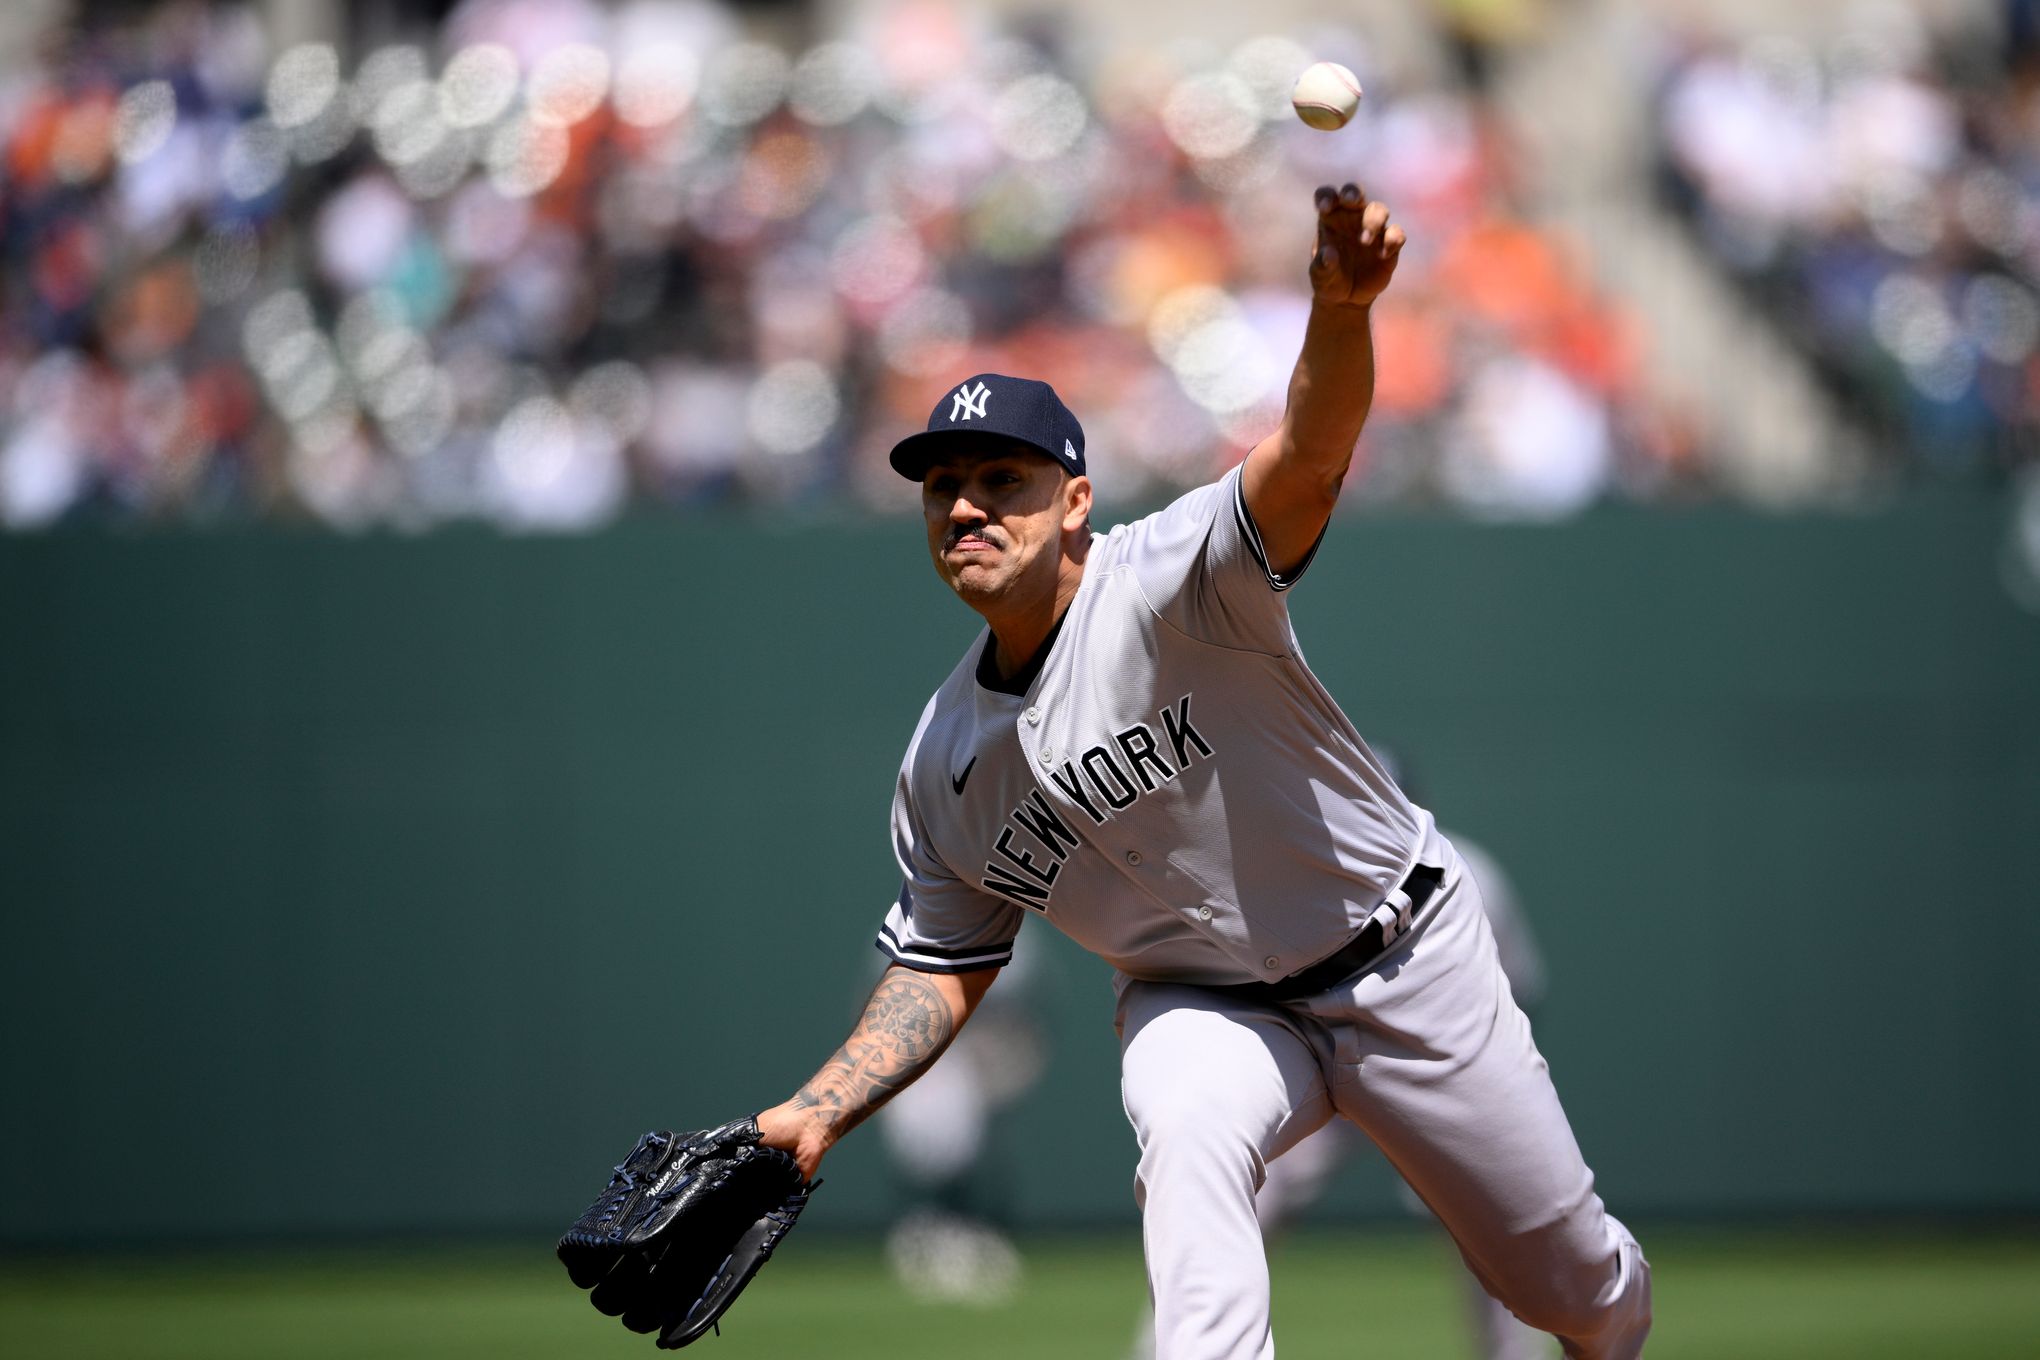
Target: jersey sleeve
{"points": [[940, 923], [1202, 567]]}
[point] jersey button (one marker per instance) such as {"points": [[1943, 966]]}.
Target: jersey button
{"points": [[1133, 857], [1033, 716], [1047, 756], [1271, 962], [1204, 913]]}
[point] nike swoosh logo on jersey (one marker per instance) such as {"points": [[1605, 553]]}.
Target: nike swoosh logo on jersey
{"points": [[956, 781]]}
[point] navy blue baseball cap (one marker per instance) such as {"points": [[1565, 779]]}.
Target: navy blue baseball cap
{"points": [[993, 408]]}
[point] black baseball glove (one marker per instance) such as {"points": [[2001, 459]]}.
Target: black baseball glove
{"points": [[686, 1222]]}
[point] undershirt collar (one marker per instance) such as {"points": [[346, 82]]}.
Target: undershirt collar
{"points": [[988, 662]]}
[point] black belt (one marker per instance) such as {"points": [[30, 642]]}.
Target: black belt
{"points": [[1391, 922]]}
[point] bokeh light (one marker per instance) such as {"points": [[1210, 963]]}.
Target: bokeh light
{"points": [[1267, 67], [406, 122], [255, 159], [326, 135], [302, 83], [534, 443], [1212, 115], [568, 84], [384, 70], [877, 260], [654, 85], [616, 395], [927, 334], [477, 85], [147, 114], [792, 407], [525, 155], [1038, 117], [832, 83], [743, 82]]}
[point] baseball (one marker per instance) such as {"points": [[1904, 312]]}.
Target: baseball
{"points": [[1326, 96]]}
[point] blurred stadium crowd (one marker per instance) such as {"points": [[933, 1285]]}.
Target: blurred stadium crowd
{"points": [[547, 260], [1881, 201]]}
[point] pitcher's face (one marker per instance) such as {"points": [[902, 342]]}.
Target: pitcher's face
{"points": [[996, 517]]}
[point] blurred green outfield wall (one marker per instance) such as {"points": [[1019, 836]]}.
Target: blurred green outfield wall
{"points": [[442, 866]]}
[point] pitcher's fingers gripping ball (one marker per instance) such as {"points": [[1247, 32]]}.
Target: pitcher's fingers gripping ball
{"points": [[1357, 248], [683, 1225]]}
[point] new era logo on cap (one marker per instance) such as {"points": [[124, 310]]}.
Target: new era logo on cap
{"points": [[990, 407]]}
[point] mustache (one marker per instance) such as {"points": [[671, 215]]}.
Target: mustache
{"points": [[956, 536]]}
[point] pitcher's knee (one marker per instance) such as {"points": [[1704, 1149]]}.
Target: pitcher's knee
{"points": [[1193, 1142], [1182, 1130], [1599, 1305]]}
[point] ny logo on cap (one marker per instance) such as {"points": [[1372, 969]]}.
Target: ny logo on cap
{"points": [[969, 401]]}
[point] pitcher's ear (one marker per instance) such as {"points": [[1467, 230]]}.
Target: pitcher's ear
{"points": [[1077, 502]]}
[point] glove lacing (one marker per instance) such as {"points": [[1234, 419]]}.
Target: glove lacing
{"points": [[626, 1182]]}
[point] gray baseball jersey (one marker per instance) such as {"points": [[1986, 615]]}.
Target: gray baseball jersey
{"points": [[1175, 790]]}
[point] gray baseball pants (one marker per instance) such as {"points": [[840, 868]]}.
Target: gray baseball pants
{"points": [[1429, 1055]]}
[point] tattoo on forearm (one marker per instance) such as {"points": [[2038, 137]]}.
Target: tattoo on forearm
{"points": [[906, 1025]]}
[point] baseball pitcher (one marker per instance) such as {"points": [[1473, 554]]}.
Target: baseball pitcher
{"points": [[1135, 750]]}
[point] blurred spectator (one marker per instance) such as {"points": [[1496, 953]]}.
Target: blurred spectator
{"points": [[548, 259], [1881, 198]]}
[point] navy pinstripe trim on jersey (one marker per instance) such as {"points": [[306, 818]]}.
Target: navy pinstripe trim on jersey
{"points": [[1252, 533], [929, 958]]}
